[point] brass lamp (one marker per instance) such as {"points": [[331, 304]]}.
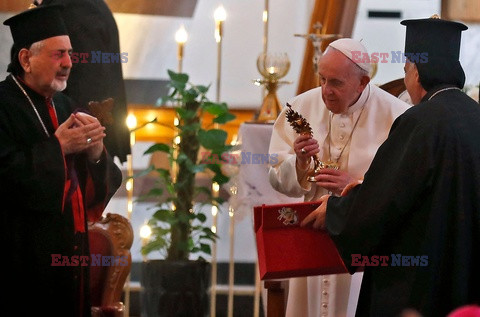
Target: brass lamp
{"points": [[273, 67]]}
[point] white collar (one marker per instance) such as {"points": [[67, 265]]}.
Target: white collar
{"points": [[359, 103]]}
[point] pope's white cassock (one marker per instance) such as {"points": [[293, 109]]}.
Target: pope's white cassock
{"points": [[375, 111]]}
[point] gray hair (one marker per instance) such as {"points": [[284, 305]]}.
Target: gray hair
{"points": [[14, 67], [36, 47]]}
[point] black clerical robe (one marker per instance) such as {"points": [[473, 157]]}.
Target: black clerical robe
{"points": [[419, 205], [37, 223], [97, 72]]}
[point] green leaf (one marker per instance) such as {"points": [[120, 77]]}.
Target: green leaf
{"points": [[201, 217], [212, 139], [215, 108], [179, 86], [192, 127], [155, 245], [171, 188], [221, 179], [218, 200], [158, 231], [202, 89], [158, 147], [208, 237], [154, 192], [164, 215], [173, 95], [185, 114], [224, 118], [190, 94], [178, 77], [164, 173], [214, 168], [209, 232], [205, 248]]}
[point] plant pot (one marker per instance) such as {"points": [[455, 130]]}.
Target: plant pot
{"points": [[175, 288]]}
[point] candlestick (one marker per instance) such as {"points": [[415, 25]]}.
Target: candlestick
{"points": [[265, 27], [131, 123], [231, 265], [181, 37], [220, 16], [273, 67]]}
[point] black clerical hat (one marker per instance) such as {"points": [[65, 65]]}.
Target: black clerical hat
{"points": [[434, 46], [36, 24]]}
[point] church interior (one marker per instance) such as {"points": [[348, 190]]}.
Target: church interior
{"points": [[223, 50]]}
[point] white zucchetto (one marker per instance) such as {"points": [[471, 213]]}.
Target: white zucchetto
{"points": [[354, 50]]}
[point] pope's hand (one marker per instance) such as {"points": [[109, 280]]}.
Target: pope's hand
{"points": [[317, 216], [333, 180], [305, 147]]}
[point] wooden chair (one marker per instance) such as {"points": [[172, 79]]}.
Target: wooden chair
{"points": [[277, 292], [395, 87], [110, 241]]}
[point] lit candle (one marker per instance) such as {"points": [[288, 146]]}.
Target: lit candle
{"points": [[265, 27], [145, 233], [272, 70], [131, 122], [220, 15], [181, 38]]}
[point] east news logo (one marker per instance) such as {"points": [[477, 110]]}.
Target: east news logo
{"points": [[392, 260]]}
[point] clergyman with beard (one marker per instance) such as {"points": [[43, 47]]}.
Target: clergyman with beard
{"points": [[55, 173]]}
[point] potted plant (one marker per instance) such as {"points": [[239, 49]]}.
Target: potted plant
{"points": [[178, 285]]}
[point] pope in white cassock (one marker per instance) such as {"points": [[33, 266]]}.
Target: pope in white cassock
{"points": [[350, 118]]}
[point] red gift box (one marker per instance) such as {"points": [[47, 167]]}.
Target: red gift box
{"points": [[287, 250]]}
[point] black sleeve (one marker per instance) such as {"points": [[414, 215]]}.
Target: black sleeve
{"points": [[399, 175]]}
